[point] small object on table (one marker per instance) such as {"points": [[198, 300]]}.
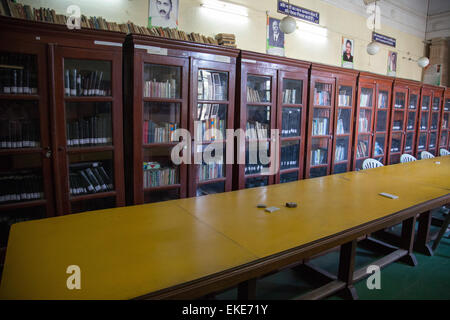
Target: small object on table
{"points": [[291, 204], [388, 195], [438, 162], [261, 206], [272, 209]]}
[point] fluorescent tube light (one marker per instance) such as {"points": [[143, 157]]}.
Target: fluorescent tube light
{"points": [[225, 7]]}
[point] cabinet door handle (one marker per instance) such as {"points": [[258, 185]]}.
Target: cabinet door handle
{"points": [[48, 152]]}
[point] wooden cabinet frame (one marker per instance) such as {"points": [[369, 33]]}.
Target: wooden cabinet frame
{"points": [[444, 124]]}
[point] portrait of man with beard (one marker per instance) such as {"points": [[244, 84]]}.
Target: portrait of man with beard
{"points": [[163, 13]]}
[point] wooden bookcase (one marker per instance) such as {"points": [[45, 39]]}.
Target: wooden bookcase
{"points": [[403, 123], [372, 119], [429, 120], [40, 52], [153, 108], [273, 94], [444, 123], [330, 120]]}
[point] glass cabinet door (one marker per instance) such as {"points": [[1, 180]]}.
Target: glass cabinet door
{"points": [[398, 126], [380, 126], [423, 123], [434, 125], [364, 130], [445, 127]]}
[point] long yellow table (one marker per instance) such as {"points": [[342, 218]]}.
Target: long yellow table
{"points": [[192, 247]]}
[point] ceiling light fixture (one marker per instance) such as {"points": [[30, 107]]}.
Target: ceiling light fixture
{"points": [[373, 48], [424, 61], [288, 24], [225, 7]]}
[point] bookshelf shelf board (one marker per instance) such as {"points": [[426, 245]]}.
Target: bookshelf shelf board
{"points": [[365, 157], [395, 153], [210, 141], [256, 140], [319, 165], [90, 149], [261, 104], [20, 151], [340, 162], [88, 99], [342, 134], [213, 101], [290, 170], [149, 99], [320, 136], [4, 96], [366, 108], [345, 107], [255, 175], [203, 182], [98, 195], [291, 138], [7, 66], [290, 105], [160, 144], [322, 107], [166, 187], [23, 204]]}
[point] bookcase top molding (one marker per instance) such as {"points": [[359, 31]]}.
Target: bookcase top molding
{"points": [[276, 61]]}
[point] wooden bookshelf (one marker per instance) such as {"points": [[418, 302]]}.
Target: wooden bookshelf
{"points": [[372, 118], [330, 120], [444, 123]]}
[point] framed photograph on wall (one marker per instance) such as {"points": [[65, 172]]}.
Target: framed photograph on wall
{"points": [[163, 13], [275, 37], [392, 63], [347, 52]]}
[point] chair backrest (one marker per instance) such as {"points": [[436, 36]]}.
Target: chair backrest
{"points": [[407, 158], [426, 155], [444, 152], [371, 163]]}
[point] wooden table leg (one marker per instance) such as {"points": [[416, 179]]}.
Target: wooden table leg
{"points": [[423, 234], [346, 268], [407, 240], [442, 231], [247, 290]]}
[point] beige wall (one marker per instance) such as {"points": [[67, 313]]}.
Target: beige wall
{"points": [[251, 31]]}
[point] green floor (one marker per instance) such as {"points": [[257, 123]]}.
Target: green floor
{"points": [[430, 279]]}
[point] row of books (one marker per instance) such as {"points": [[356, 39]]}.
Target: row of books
{"points": [[379, 148], [382, 101], [253, 162], [207, 111], [363, 122], [362, 149], [257, 130], [322, 95], [226, 39], [319, 156], [88, 178], [158, 176], [290, 96], [18, 10], [211, 86], [155, 89], [395, 145], [340, 153], [20, 186], [345, 100], [320, 126], [19, 134], [289, 156], [397, 125], [399, 104], [95, 130], [290, 118], [210, 171], [254, 95], [340, 129], [208, 130], [86, 83], [158, 132], [18, 74], [365, 100]]}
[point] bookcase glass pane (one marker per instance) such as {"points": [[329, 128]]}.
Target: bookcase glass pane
{"points": [[158, 168], [394, 159], [343, 121], [212, 85], [88, 124], [8, 218], [257, 156], [426, 102], [213, 164], [433, 136], [345, 96], [259, 89], [91, 173], [383, 100], [258, 122], [341, 152], [436, 103], [400, 98], [289, 177], [358, 165], [411, 120], [362, 148], [289, 154], [424, 121], [317, 172], [364, 120], [87, 77], [380, 141], [365, 100], [291, 120], [160, 120], [445, 123], [447, 105], [409, 141], [256, 182], [161, 81], [413, 101], [18, 73], [211, 122], [93, 204], [322, 94], [21, 178], [161, 195], [443, 139], [19, 124], [210, 188], [319, 151], [397, 122], [422, 140], [292, 91], [321, 122], [381, 121], [434, 120], [396, 142], [340, 168]]}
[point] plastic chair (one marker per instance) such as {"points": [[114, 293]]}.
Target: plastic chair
{"points": [[444, 152], [371, 163], [407, 158], [426, 155]]}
